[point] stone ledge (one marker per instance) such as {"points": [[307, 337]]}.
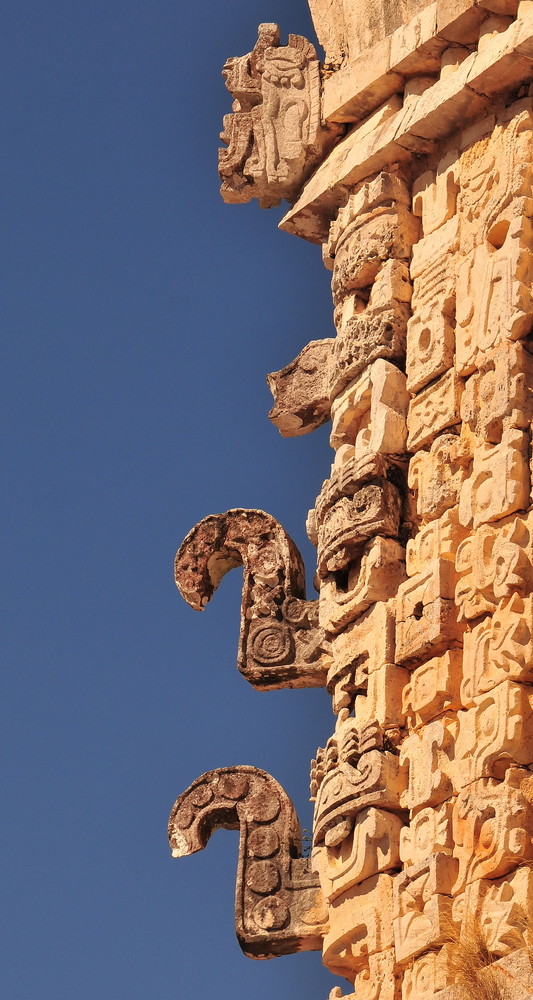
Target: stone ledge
{"points": [[456, 100], [358, 88]]}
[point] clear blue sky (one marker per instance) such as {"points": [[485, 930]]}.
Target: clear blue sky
{"points": [[141, 316]]}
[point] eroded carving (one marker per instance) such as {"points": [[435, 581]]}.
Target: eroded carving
{"points": [[372, 846], [300, 391], [492, 827], [281, 643], [359, 767], [360, 927], [499, 648], [274, 136], [492, 563], [279, 908], [431, 329], [426, 616], [423, 906]]}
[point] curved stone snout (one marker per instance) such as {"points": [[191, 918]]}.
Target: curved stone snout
{"points": [[279, 907], [281, 643]]}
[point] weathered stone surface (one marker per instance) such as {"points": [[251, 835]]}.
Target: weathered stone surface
{"points": [[430, 331], [363, 647], [500, 647], [429, 832], [429, 757], [493, 563], [433, 688], [368, 248], [428, 974], [434, 409], [496, 732], [372, 846], [422, 906], [347, 525], [281, 643], [499, 483], [360, 926], [453, 101], [437, 476], [492, 827], [274, 136], [301, 391], [279, 908], [354, 771], [375, 576], [423, 630], [419, 45], [426, 617], [371, 412]]}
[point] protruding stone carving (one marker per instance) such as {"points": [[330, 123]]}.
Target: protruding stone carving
{"points": [[281, 644], [504, 909], [381, 701], [426, 617], [424, 636], [433, 688], [371, 412], [500, 394], [436, 476], [439, 538], [499, 484], [279, 908], [274, 136], [428, 974], [429, 832], [300, 391], [368, 249], [435, 193], [495, 179], [346, 525], [430, 331], [433, 410], [496, 732], [493, 292], [374, 576], [430, 757], [359, 767], [499, 648]]}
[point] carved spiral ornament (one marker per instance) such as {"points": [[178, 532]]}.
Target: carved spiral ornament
{"points": [[272, 644]]}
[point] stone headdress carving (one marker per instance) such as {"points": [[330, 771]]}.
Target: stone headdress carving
{"points": [[274, 136]]}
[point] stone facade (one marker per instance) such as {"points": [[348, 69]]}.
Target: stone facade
{"points": [[409, 158]]}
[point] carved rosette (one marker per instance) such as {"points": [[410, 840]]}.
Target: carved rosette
{"points": [[281, 643], [278, 902]]}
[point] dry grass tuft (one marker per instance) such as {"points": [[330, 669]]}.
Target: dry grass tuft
{"points": [[471, 961]]}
